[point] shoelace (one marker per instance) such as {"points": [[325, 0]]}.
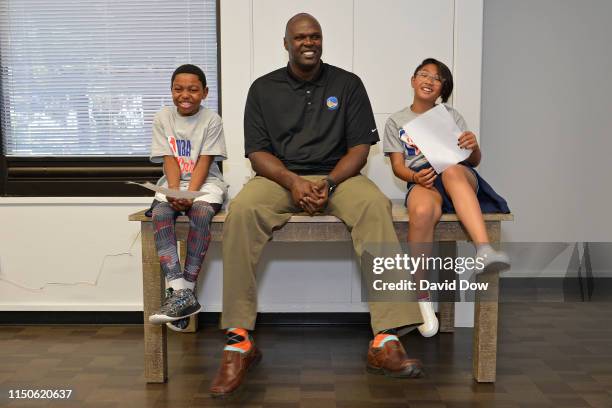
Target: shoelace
{"points": [[180, 300], [169, 292]]}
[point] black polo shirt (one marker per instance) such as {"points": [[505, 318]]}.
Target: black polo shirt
{"points": [[308, 125]]}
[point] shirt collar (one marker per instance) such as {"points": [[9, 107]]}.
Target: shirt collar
{"points": [[318, 80]]}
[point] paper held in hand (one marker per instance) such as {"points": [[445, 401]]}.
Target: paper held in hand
{"points": [[190, 195], [436, 134]]}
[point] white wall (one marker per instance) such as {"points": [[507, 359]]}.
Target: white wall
{"points": [[382, 41], [70, 254]]}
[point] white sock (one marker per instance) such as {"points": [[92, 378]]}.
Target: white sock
{"points": [[190, 285], [484, 249], [492, 256], [180, 283]]}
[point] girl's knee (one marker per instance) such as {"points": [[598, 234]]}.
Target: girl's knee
{"points": [[456, 170], [424, 215], [459, 175], [455, 174]]}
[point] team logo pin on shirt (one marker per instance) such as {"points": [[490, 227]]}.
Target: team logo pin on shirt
{"points": [[332, 103]]}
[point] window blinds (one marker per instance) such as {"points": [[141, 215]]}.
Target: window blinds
{"points": [[86, 77]]}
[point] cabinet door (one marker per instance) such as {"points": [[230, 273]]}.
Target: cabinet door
{"points": [[391, 38], [270, 18]]}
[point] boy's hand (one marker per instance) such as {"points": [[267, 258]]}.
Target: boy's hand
{"points": [[425, 177], [467, 140], [175, 203], [186, 203]]}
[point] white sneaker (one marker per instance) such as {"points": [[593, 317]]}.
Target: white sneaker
{"points": [[493, 260], [430, 324]]}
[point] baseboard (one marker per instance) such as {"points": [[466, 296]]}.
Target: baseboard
{"points": [[69, 317], [204, 319]]}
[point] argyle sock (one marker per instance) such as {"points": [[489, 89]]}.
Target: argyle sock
{"points": [[238, 340], [384, 336]]}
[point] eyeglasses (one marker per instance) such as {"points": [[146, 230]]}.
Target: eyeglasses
{"points": [[426, 75]]}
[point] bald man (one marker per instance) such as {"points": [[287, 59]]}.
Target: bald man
{"points": [[308, 128]]}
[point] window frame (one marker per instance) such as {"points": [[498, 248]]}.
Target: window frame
{"points": [[84, 176]]}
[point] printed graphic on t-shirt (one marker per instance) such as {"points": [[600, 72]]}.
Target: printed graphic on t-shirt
{"points": [[409, 145], [182, 151]]}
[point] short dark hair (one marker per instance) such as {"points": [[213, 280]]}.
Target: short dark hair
{"points": [[300, 16], [189, 69], [445, 75]]}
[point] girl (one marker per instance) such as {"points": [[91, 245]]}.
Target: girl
{"points": [[458, 189]]}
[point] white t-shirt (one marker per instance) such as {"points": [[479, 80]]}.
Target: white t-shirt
{"points": [[187, 138], [393, 130]]}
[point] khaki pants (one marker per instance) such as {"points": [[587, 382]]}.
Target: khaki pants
{"points": [[263, 206]]}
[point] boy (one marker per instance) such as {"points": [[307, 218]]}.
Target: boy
{"points": [[188, 139]]}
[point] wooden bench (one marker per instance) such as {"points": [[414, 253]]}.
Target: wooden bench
{"points": [[303, 228]]}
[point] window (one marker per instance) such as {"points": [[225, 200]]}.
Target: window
{"points": [[81, 82]]}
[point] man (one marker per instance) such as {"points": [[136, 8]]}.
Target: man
{"points": [[308, 129]]}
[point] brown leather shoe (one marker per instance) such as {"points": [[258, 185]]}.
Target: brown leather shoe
{"points": [[391, 360], [234, 366]]}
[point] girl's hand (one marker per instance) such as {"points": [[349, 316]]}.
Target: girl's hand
{"points": [[425, 177], [467, 140]]}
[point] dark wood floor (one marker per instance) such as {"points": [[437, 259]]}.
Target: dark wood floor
{"points": [[557, 355]]}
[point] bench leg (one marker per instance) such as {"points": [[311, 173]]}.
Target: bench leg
{"points": [[193, 320], [446, 304], [486, 320], [485, 331], [155, 338]]}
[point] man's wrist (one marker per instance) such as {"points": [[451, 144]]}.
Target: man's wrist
{"points": [[289, 179], [331, 185]]}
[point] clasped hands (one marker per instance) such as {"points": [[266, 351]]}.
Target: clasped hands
{"points": [[311, 196], [179, 204]]}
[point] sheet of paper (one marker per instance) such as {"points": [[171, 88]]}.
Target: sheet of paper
{"points": [[436, 134], [171, 193]]}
